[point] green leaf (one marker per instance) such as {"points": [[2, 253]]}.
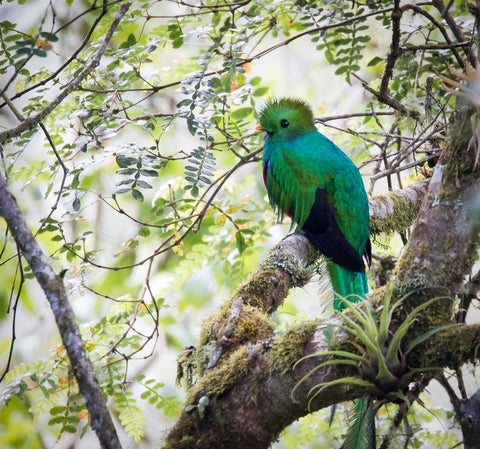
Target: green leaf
{"points": [[191, 124], [24, 51], [374, 61], [144, 232], [240, 240], [57, 410], [341, 70], [69, 428], [185, 102], [120, 191], [143, 184], [177, 43], [149, 173], [137, 195], [49, 36], [26, 42], [125, 161], [241, 113], [130, 42], [145, 394], [260, 92], [397, 337], [56, 420], [423, 337], [40, 52], [125, 182], [126, 171]]}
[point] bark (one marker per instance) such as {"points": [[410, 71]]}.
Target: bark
{"points": [[249, 387], [54, 290], [468, 413]]}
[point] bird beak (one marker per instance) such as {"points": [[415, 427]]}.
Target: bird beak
{"points": [[259, 128]]}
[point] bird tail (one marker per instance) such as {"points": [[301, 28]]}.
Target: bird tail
{"points": [[361, 433], [352, 286], [347, 285]]}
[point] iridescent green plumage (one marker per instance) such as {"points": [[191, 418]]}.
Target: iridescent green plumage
{"points": [[311, 180]]}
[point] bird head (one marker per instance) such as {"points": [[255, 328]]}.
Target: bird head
{"points": [[286, 119]]}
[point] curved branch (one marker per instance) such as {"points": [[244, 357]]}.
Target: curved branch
{"points": [[250, 399]]}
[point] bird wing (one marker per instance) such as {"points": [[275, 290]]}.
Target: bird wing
{"points": [[322, 231]]}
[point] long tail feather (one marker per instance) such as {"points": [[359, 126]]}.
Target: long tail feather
{"points": [[361, 433], [351, 286]]}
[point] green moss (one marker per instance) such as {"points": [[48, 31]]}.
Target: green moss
{"points": [[460, 170], [299, 271], [214, 325], [265, 290], [286, 349], [404, 215], [224, 376], [283, 351], [250, 326]]}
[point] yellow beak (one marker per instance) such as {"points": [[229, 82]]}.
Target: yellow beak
{"points": [[258, 128]]}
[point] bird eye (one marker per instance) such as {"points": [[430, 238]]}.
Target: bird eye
{"points": [[284, 123]]}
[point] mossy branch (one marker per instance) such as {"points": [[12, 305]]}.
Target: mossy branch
{"points": [[397, 210], [249, 392], [249, 386]]}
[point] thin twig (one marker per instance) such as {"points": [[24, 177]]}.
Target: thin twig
{"points": [[33, 121]]}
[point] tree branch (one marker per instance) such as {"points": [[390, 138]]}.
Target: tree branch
{"points": [[54, 290], [455, 29], [396, 211]]}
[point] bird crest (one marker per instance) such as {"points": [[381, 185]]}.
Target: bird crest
{"points": [[286, 118]]}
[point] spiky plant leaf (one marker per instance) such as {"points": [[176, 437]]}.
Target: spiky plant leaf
{"points": [[397, 337], [317, 389], [316, 368], [424, 337]]}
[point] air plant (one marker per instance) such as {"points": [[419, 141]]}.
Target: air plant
{"points": [[380, 359]]}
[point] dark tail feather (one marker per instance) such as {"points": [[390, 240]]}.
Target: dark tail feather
{"points": [[361, 434]]}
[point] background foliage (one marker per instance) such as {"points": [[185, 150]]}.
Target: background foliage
{"points": [[144, 182]]}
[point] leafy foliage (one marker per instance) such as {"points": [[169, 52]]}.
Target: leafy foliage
{"points": [[200, 170], [135, 168], [141, 180]]}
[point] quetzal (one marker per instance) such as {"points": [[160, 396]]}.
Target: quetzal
{"points": [[312, 181]]}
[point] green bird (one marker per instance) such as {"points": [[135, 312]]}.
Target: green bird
{"points": [[309, 179]]}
